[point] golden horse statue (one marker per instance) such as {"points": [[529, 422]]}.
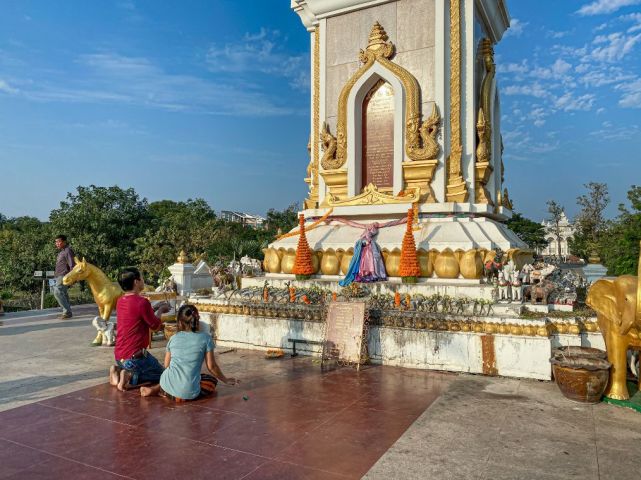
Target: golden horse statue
{"points": [[618, 305], [105, 293]]}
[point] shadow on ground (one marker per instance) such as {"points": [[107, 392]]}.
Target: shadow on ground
{"points": [[35, 328]]}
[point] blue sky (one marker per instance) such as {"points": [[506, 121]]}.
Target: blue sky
{"points": [[210, 99]]}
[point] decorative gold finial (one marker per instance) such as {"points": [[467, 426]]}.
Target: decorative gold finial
{"points": [[378, 44], [507, 203], [377, 37], [486, 48], [182, 257]]}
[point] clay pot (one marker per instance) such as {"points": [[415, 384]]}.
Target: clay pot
{"points": [[393, 263], [425, 263], [581, 379], [471, 264], [330, 264], [272, 260], [579, 352], [345, 260], [446, 265], [288, 261]]}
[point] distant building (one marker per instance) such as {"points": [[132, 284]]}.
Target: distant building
{"points": [[254, 221], [566, 231]]}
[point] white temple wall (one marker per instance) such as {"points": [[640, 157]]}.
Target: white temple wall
{"points": [[410, 25]]}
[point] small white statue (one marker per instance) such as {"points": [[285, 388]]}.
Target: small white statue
{"points": [[517, 294], [503, 287], [526, 274], [106, 329]]}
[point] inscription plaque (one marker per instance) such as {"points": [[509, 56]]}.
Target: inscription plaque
{"points": [[378, 137], [344, 333]]}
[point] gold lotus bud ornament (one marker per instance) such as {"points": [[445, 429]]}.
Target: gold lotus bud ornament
{"points": [[182, 257]]}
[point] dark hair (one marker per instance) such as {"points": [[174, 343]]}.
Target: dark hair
{"points": [[126, 278], [187, 318], [61, 237]]}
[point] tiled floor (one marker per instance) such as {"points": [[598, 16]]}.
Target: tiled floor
{"points": [[296, 423]]}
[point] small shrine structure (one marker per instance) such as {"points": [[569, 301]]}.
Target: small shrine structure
{"points": [[405, 114]]}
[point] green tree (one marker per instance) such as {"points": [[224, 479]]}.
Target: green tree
{"points": [[284, 220], [174, 226], [590, 222], [26, 244], [102, 224], [620, 242], [528, 230], [556, 212]]}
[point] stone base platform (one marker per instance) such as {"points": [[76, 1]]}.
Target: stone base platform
{"points": [[425, 286], [490, 345]]}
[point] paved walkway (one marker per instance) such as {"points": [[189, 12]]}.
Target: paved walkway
{"points": [[296, 423]]}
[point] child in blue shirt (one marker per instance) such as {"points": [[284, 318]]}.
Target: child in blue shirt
{"points": [[186, 352]]}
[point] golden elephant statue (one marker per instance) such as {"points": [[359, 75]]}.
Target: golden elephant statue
{"points": [[618, 306]]}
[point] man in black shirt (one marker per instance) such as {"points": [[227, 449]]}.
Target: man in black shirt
{"points": [[64, 263]]}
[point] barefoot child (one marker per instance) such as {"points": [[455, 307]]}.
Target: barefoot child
{"points": [[186, 351], [134, 365]]}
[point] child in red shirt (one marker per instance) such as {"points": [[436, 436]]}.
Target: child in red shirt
{"points": [[135, 317]]}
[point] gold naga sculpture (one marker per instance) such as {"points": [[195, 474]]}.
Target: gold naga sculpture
{"points": [[328, 144], [618, 305], [105, 293]]}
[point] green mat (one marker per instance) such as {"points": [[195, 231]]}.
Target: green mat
{"points": [[635, 399]]}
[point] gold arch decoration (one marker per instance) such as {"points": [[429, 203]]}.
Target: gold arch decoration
{"points": [[421, 143], [456, 190], [372, 196]]}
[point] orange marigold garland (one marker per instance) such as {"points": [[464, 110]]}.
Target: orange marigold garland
{"points": [[303, 268], [409, 268]]}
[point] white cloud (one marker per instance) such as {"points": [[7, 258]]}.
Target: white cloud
{"points": [[609, 132], [260, 53], [558, 70], [521, 141], [6, 88], [533, 90], [598, 76], [599, 7], [519, 68], [568, 102], [516, 28], [615, 46], [538, 116], [635, 18], [554, 34], [631, 97], [112, 78]]}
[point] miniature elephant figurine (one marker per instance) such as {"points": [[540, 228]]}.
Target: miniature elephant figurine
{"points": [[539, 292], [618, 306]]}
